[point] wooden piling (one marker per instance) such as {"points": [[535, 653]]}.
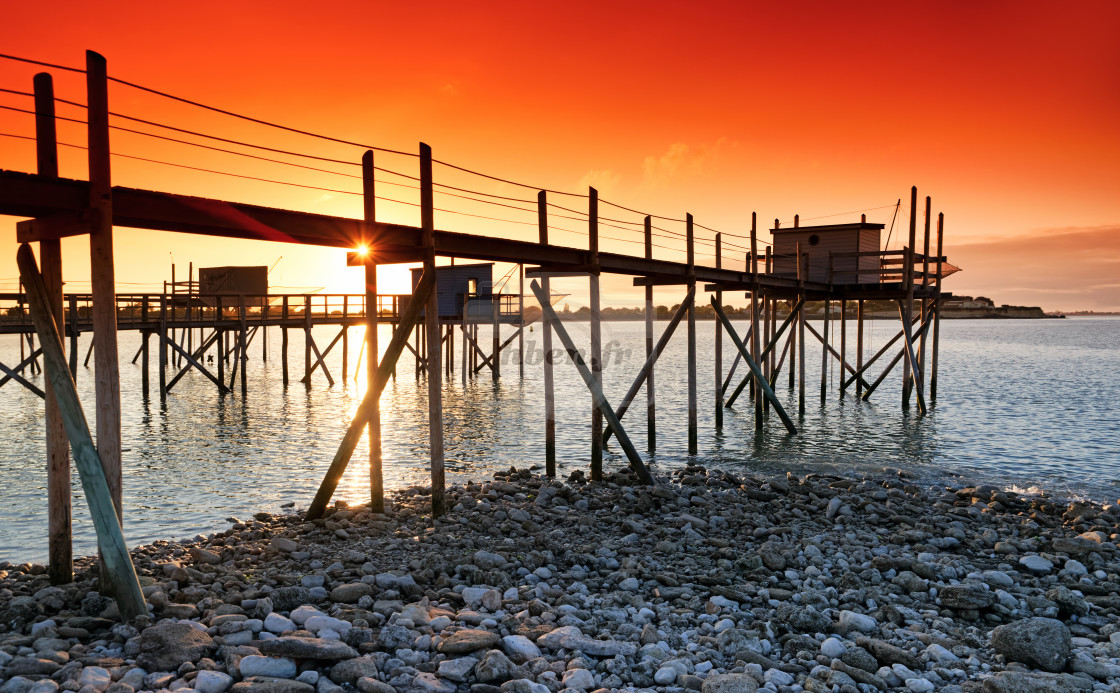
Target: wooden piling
{"points": [[466, 338], [693, 423], [345, 335], [431, 321], [755, 325], [936, 311], [763, 385], [376, 476], [521, 320], [843, 340], [244, 350], [59, 525], [163, 347], [74, 335], [824, 351], [117, 570], [546, 345], [859, 344], [102, 278], [596, 335], [802, 276], [651, 392], [908, 288], [496, 336], [921, 376], [719, 347]]}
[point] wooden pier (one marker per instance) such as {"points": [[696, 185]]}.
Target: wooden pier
{"points": [[799, 267]]}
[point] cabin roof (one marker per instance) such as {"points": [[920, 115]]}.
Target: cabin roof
{"points": [[826, 228]]}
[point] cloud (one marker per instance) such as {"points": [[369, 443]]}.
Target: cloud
{"points": [[605, 181], [1063, 268], [680, 160]]}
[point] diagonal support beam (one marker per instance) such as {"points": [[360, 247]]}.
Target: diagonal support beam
{"points": [[836, 355], [734, 365], [890, 366], [756, 372], [20, 368], [601, 403], [13, 374], [192, 362], [882, 350], [766, 352], [408, 320], [110, 538], [319, 358], [474, 345], [915, 370], [653, 356]]}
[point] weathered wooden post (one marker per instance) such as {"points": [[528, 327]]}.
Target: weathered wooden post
{"points": [[431, 323], [651, 392], [908, 289], [546, 345], [221, 345], [59, 526], [345, 332], [244, 350], [802, 275], [163, 346], [283, 338], [466, 338], [824, 350], [369, 205], [116, 564], [496, 335], [719, 345], [843, 342], [102, 278], [75, 333], [859, 345], [759, 412], [693, 425], [307, 339], [521, 320], [921, 376], [596, 334], [936, 311]]}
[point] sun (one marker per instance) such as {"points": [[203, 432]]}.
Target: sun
{"points": [[362, 250]]}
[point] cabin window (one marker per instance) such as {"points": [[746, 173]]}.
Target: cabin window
{"points": [[814, 239], [472, 286]]}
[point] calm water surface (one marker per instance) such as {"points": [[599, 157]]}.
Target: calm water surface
{"points": [[1025, 403]]}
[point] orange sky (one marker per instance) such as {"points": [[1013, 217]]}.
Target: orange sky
{"points": [[1004, 112]]}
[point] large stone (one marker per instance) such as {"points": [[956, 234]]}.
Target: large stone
{"points": [[966, 597], [495, 667], [467, 641], [1035, 682], [212, 682], [275, 667], [1043, 643], [166, 646], [599, 648], [487, 560], [351, 592], [805, 619], [264, 684], [429, 683], [520, 648], [288, 598], [457, 669], [350, 670], [307, 648], [730, 683]]}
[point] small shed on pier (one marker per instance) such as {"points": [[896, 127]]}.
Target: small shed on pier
{"points": [[453, 282], [832, 251]]}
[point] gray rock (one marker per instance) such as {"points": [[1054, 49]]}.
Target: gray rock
{"points": [[457, 669], [467, 641], [487, 560], [264, 684], [307, 648], [1035, 682], [289, 598], [805, 619], [350, 670], [599, 648], [966, 597], [1043, 643], [730, 683], [212, 682], [523, 686], [351, 592], [494, 667], [372, 685], [429, 683], [276, 667], [165, 646], [393, 638]]}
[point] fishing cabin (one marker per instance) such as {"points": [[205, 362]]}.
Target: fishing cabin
{"points": [[456, 283], [837, 253]]}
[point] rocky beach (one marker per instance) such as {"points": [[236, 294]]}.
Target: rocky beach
{"points": [[705, 582]]}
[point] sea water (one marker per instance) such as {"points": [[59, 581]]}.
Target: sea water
{"points": [[1027, 404]]}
